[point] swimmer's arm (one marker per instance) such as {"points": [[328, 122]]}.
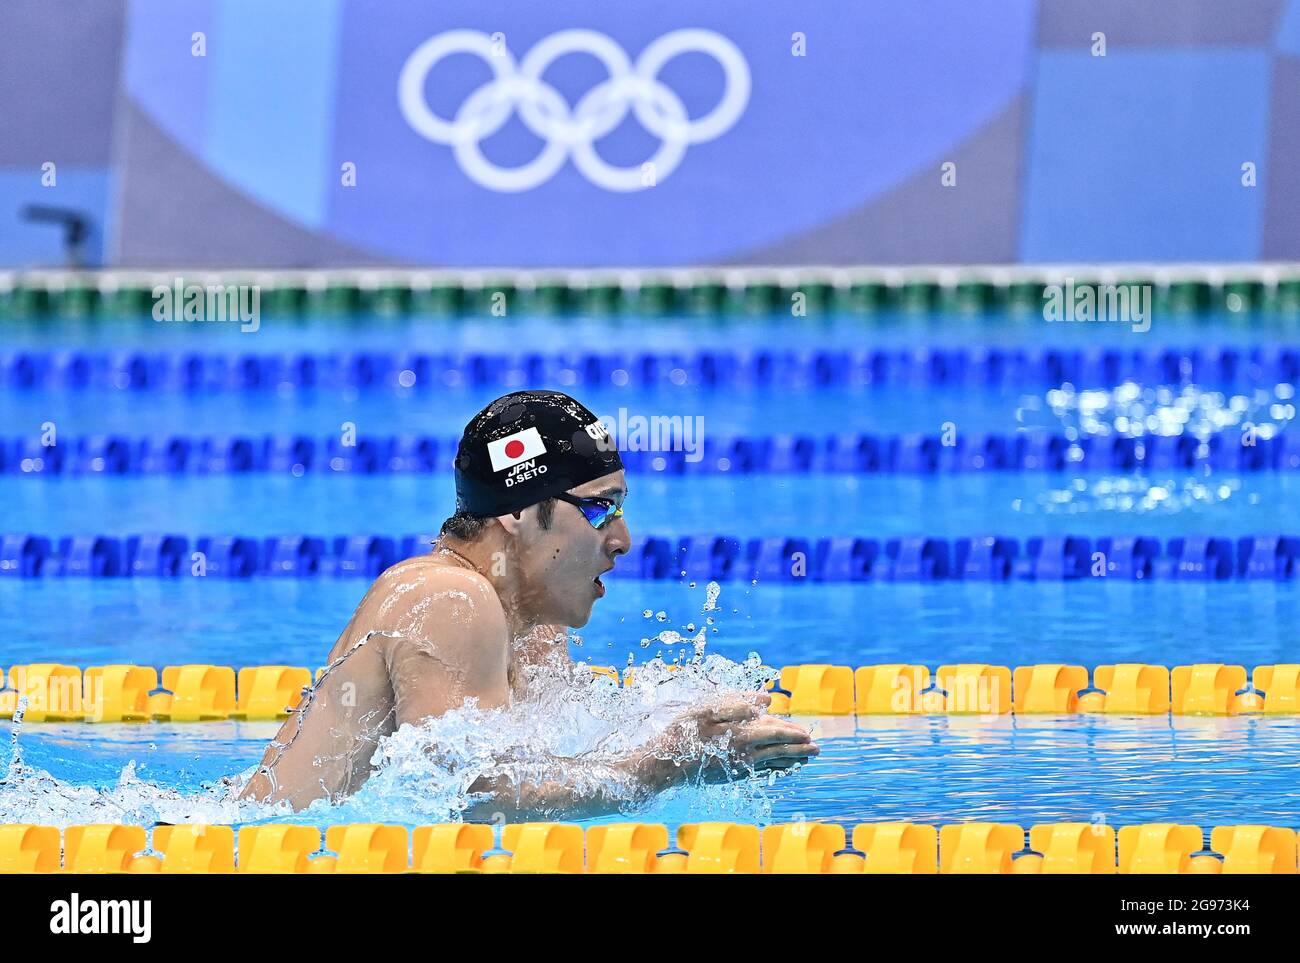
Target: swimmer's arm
{"points": [[449, 652]]}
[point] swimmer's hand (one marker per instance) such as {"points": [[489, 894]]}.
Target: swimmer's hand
{"points": [[755, 743], [720, 741]]}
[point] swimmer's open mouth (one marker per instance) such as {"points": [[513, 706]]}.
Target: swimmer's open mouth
{"points": [[600, 586]]}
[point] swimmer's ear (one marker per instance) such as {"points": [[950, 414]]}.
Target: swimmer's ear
{"points": [[510, 523]]}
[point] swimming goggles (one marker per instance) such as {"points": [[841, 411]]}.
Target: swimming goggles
{"points": [[599, 511]]}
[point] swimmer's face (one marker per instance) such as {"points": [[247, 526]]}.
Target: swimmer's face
{"points": [[563, 565]]}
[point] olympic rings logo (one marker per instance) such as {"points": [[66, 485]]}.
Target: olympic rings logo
{"points": [[571, 131]]}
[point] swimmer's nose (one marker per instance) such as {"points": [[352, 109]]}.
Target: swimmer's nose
{"points": [[619, 540]]}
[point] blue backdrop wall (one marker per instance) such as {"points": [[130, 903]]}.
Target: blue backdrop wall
{"points": [[578, 132]]}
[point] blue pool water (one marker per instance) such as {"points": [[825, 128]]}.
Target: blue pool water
{"points": [[1020, 504], [1206, 771]]}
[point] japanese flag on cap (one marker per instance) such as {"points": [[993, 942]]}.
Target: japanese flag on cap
{"points": [[512, 449]]}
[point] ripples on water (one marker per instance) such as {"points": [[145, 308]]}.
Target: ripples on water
{"points": [[1134, 410], [1026, 770], [1137, 495]]}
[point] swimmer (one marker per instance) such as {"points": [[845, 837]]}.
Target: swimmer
{"points": [[538, 522]]}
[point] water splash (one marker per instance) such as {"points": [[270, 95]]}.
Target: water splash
{"points": [[574, 731], [699, 641], [574, 734], [31, 795], [711, 593]]}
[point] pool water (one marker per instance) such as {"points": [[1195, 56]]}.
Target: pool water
{"points": [[1207, 771], [1125, 771]]}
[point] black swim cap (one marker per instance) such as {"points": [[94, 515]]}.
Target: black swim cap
{"points": [[526, 447]]}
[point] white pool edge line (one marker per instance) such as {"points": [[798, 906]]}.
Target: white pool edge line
{"points": [[944, 275]]}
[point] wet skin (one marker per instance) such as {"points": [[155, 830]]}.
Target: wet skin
{"points": [[470, 620]]}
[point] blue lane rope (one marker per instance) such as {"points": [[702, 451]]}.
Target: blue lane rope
{"points": [[700, 557], [1228, 450], [980, 366]]}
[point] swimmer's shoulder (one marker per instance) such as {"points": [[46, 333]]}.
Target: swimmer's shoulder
{"points": [[437, 609], [430, 586], [433, 569]]}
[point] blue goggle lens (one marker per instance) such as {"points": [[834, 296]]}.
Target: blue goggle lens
{"points": [[600, 514]]}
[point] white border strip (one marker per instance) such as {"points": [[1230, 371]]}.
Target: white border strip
{"points": [[1161, 274]]}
